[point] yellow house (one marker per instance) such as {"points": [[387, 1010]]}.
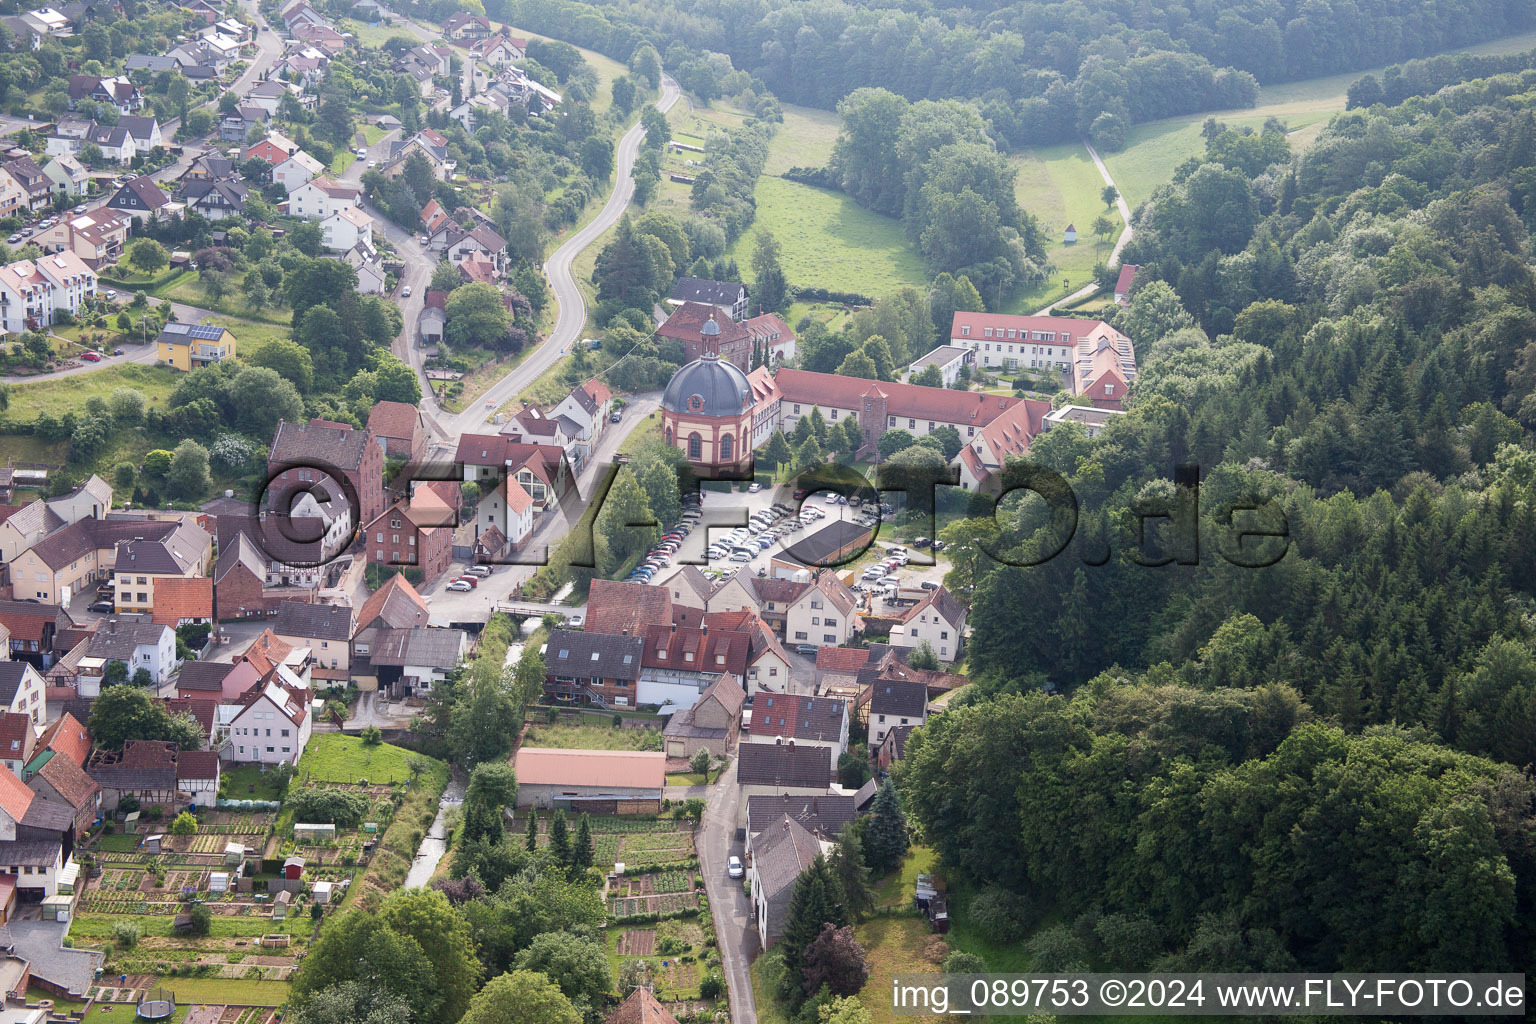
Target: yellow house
{"points": [[187, 346]]}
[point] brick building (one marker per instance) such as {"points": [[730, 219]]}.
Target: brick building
{"points": [[304, 454]]}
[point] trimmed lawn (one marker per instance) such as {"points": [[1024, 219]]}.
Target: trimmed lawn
{"points": [[69, 394], [99, 926], [336, 757], [895, 946], [692, 778], [236, 783], [829, 241], [590, 737], [227, 990], [188, 289]]}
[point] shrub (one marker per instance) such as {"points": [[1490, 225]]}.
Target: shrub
{"points": [[185, 824], [126, 934], [328, 805], [1001, 915], [372, 736], [202, 919], [711, 986], [961, 962]]}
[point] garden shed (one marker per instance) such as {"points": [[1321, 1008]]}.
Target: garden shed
{"points": [[293, 868], [58, 907], [218, 881], [152, 843], [322, 892], [69, 877], [280, 905], [234, 853]]}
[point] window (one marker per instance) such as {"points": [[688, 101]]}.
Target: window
{"points": [[815, 620], [892, 422], [943, 634], [800, 636], [911, 424], [815, 604], [726, 444], [773, 671], [797, 408], [830, 638], [987, 332], [965, 332], [831, 622], [882, 719], [695, 446], [1109, 389], [378, 538]]}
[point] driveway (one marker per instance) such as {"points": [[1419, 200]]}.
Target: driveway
{"points": [[728, 903]]}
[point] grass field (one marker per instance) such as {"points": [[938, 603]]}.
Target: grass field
{"points": [[829, 241], [335, 757], [591, 737], [69, 394], [236, 783], [99, 926], [804, 139], [1059, 185]]}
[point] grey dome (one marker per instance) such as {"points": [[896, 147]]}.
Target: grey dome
{"points": [[710, 327], [709, 386]]}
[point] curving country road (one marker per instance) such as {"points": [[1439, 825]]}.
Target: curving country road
{"points": [[572, 315]]}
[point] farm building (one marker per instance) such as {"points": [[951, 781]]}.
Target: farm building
{"points": [[597, 781]]}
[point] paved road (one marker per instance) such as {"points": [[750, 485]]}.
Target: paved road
{"points": [[716, 842], [1120, 243], [572, 316]]}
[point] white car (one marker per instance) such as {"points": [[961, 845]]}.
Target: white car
{"points": [[734, 869], [754, 488], [459, 587], [575, 621], [741, 556], [405, 292]]}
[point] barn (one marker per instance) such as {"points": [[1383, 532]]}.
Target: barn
{"points": [[595, 781]]}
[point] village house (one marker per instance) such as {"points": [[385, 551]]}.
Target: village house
{"points": [[893, 747], [825, 613], [325, 629], [699, 328], [142, 200], [543, 471], [311, 453], [37, 185], [296, 170], [56, 779], [36, 631], [67, 176], [781, 768], [184, 552], [138, 644], [22, 690], [216, 200], [144, 131], [144, 769], [592, 668], [826, 814], [346, 228], [712, 723], [274, 149], [24, 528], [809, 721], [938, 620], [18, 738], [182, 602], [780, 854], [71, 558], [116, 91], [321, 197], [395, 605], [729, 297], [186, 346], [273, 724], [409, 662], [97, 236], [1007, 343], [407, 535], [397, 426], [74, 133], [893, 703]]}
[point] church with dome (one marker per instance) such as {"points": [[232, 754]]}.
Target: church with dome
{"points": [[707, 412]]}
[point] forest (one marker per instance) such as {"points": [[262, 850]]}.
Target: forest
{"points": [[1322, 763], [1039, 72]]}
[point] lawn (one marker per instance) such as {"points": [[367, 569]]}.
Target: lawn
{"points": [[237, 783], [69, 394], [897, 887], [590, 737], [227, 990], [188, 289], [692, 778], [1060, 186], [804, 139], [829, 241], [99, 926], [895, 946], [336, 757]]}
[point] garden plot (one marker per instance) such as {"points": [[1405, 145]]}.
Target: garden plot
{"points": [[655, 848]]}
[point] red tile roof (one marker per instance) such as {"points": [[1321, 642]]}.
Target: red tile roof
{"points": [[393, 419], [711, 650], [1012, 432], [598, 390], [15, 797], [616, 607], [687, 322], [399, 598], [910, 401], [843, 660], [1067, 329], [68, 737], [641, 1008], [267, 650], [70, 781], [1126, 279], [15, 731], [178, 598]]}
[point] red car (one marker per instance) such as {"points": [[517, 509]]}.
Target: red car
{"points": [[91, 357], [473, 581]]}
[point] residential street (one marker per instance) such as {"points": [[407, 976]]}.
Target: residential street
{"points": [[716, 842], [572, 316]]}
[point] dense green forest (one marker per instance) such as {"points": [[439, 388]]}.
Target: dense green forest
{"points": [[1322, 762], [1040, 72]]}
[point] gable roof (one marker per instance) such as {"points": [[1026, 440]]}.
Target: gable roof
{"points": [[942, 602], [827, 813], [780, 854], [393, 419], [798, 717], [118, 638], [626, 769], [786, 765], [29, 622], [589, 655], [1126, 279], [178, 598], [713, 293], [15, 797], [843, 660], [241, 552], [15, 732], [695, 649], [688, 320], [141, 765], [313, 621], [419, 645], [266, 652], [641, 1008], [145, 189], [67, 736], [70, 781], [203, 675], [397, 603], [318, 442], [893, 697], [618, 607]]}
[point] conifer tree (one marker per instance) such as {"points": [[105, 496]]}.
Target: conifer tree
{"points": [[817, 900], [581, 852], [885, 837], [533, 830], [560, 838]]}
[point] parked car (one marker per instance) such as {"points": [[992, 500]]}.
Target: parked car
{"points": [[800, 493], [405, 292], [889, 581], [754, 487], [734, 869], [459, 587], [91, 357], [575, 621], [929, 585], [938, 545], [921, 542], [805, 648], [13, 239], [741, 556], [473, 581], [479, 570], [101, 606]]}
